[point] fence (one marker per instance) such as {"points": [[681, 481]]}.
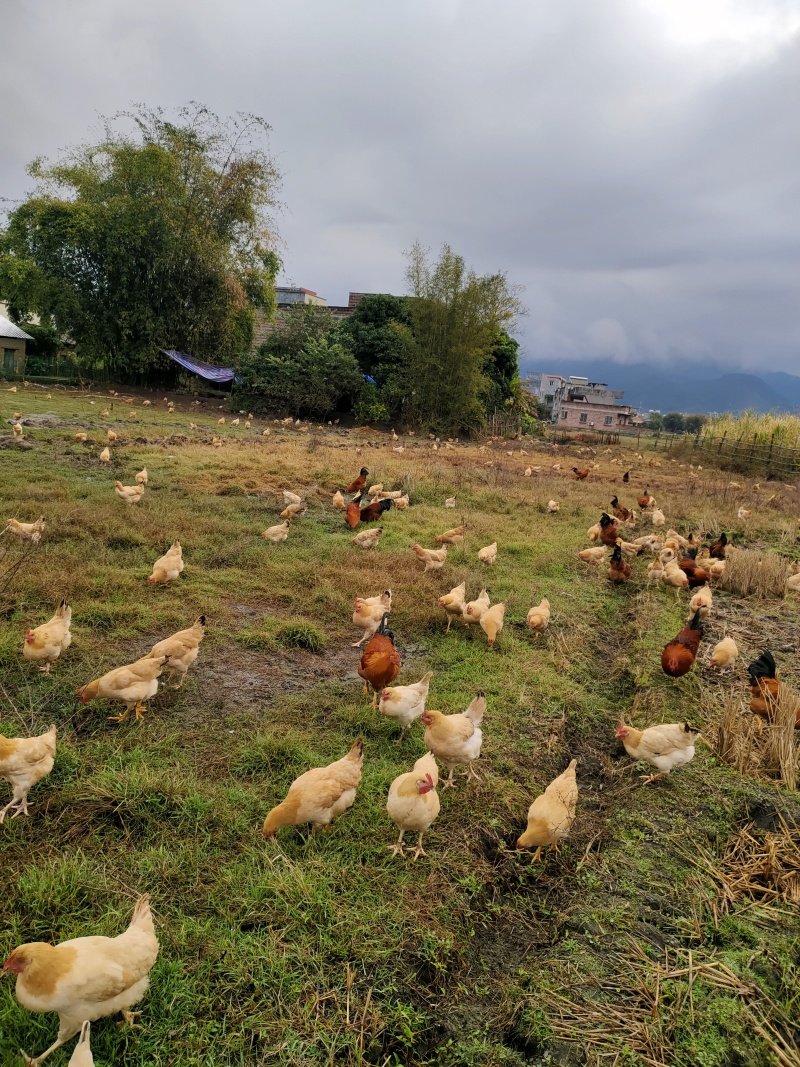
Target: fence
{"points": [[748, 454]]}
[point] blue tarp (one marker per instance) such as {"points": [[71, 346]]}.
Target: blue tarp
{"points": [[197, 366]]}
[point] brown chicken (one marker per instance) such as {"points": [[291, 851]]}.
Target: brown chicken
{"points": [[352, 513], [372, 512], [87, 977], [319, 795], [359, 484], [694, 572], [380, 661], [622, 513], [717, 550], [581, 474], [24, 761], [608, 530], [619, 570], [765, 688], [645, 500], [679, 654]]}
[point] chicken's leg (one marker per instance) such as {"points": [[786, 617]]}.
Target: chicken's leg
{"points": [[46, 668], [648, 778], [64, 1034], [397, 850], [471, 773], [139, 711], [448, 782], [449, 623], [123, 715], [419, 850], [366, 690], [129, 1016]]}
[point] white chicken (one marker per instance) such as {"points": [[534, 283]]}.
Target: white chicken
{"points": [[488, 555], [368, 538], [405, 702], [665, 747], [24, 761], [276, 533], [131, 494], [368, 612], [475, 608], [413, 802]]}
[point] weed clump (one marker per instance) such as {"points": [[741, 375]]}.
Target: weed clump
{"points": [[761, 575], [301, 635]]}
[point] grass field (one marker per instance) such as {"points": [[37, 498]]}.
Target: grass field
{"points": [[635, 945]]}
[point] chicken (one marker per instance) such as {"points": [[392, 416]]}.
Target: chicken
{"points": [[655, 571], [433, 558], [167, 567], [368, 538], [552, 814], [132, 684], [491, 621], [475, 608], [359, 484], [608, 530], [539, 616], [664, 747], [626, 477], [352, 513], [593, 555], [725, 654], [674, 576], [696, 574], [82, 1053], [718, 549], [453, 603], [16, 429], [702, 601], [319, 795], [111, 437], [181, 649], [86, 978], [716, 568], [581, 474], [375, 490], [646, 501], [24, 761], [679, 654], [235, 422], [380, 661], [45, 643], [619, 570], [622, 513], [488, 555], [553, 507], [456, 739], [291, 511], [742, 513], [81, 438], [451, 537], [657, 517], [373, 511], [338, 501], [131, 494], [26, 531], [413, 802], [405, 702], [141, 477], [276, 533], [765, 688], [105, 455], [368, 612], [450, 502], [402, 502], [291, 498]]}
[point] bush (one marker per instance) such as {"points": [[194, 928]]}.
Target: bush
{"points": [[301, 635]]}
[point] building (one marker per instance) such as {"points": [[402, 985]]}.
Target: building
{"points": [[288, 297], [545, 386], [580, 403], [13, 342]]}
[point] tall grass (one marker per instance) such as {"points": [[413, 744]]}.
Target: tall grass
{"points": [[783, 430]]}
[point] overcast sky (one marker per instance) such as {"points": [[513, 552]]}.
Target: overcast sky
{"points": [[633, 163]]}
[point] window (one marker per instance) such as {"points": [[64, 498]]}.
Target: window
{"points": [[584, 417], [563, 414], [8, 359], [608, 420]]}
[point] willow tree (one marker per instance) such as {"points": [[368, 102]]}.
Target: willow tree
{"points": [[455, 316], [157, 236]]}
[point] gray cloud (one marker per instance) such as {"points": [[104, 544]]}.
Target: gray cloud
{"points": [[636, 172]]}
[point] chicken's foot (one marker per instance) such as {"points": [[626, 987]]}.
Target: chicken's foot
{"points": [[123, 715], [448, 782], [419, 850], [129, 1017], [139, 711], [46, 668], [648, 778], [471, 774], [397, 850]]}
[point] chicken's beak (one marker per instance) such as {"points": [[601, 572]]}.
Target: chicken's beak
{"points": [[12, 964]]}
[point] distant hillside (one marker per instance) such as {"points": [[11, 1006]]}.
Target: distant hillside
{"points": [[692, 387]]}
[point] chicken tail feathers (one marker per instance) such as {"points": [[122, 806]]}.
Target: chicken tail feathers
{"points": [[696, 624], [763, 667], [142, 915], [357, 751], [477, 708]]}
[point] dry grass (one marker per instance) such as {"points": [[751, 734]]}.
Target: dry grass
{"points": [[759, 574], [780, 748], [733, 732]]}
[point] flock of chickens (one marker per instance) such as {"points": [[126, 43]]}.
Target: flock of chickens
{"points": [[91, 977]]}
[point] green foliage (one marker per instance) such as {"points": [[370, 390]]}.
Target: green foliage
{"points": [[673, 422], [152, 238], [693, 423], [301, 635], [302, 368], [457, 317]]}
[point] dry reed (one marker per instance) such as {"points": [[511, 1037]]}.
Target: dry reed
{"points": [[780, 749], [757, 574]]}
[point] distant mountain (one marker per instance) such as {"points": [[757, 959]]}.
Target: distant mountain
{"points": [[692, 387]]}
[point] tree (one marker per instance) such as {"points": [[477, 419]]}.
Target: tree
{"points": [[156, 237], [455, 318], [655, 421], [502, 372], [302, 367], [693, 423], [673, 422]]}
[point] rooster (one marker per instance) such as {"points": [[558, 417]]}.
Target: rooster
{"points": [[359, 484], [717, 550], [373, 511], [679, 654], [619, 570], [380, 661], [765, 688], [694, 572], [608, 530], [581, 474], [352, 513], [620, 510]]}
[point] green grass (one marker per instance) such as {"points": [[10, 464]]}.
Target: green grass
{"points": [[323, 949]]}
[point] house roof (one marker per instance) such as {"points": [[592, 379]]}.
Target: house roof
{"points": [[8, 329]]}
